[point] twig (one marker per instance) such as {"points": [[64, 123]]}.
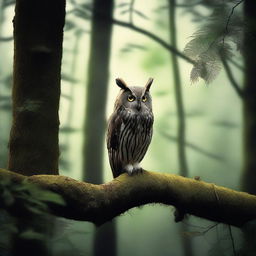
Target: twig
{"points": [[232, 80], [232, 240], [229, 18], [131, 11], [205, 229], [210, 227], [194, 147], [236, 64]]}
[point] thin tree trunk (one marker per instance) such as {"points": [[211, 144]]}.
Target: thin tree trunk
{"points": [[249, 115], [38, 36], [181, 133], [95, 120]]}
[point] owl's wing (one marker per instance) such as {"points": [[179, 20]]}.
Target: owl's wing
{"points": [[114, 127]]}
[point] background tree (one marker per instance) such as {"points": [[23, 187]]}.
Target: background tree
{"points": [[181, 131], [95, 120], [249, 115], [5, 86]]}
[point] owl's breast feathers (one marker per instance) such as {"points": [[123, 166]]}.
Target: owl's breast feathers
{"points": [[121, 118]]}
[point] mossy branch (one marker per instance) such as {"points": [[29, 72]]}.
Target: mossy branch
{"points": [[101, 203]]}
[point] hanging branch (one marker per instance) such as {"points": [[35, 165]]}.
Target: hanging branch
{"points": [[154, 38], [231, 78]]}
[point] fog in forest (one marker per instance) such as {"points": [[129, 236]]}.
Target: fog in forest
{"points": [[194, 50]]}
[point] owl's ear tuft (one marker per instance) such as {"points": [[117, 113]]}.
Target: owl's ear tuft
{"points": [[121, 83], [148, 84]]}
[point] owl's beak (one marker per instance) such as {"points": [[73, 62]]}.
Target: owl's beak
{"points": [[138, 107]]}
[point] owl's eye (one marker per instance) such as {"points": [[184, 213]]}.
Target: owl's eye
{"points": [[144, 98], [131, 98]]}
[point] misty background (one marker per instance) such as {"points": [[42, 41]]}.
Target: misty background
{"points": [[213, 116]]}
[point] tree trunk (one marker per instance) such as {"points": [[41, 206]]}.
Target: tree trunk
{"points": [[33, 145], [249, 103], [38, 36], [249, 114], [95, 120], [183, 167]]}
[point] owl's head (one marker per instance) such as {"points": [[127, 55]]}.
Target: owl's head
{"points": [[134, 98]]}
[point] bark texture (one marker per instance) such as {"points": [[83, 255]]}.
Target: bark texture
{"points": [[88, 202], [38, 35]]}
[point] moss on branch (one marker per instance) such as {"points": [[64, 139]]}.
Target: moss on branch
{"points": [[101, 203]]}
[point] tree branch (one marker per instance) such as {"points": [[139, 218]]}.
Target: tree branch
{"points": [[6, 39], [142, 31], [153, 37], [231, 78], [229, 19], [101, 203], [194, 147]]}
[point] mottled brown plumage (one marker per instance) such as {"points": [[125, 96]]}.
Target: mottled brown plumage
{"points": [[130, 128]]}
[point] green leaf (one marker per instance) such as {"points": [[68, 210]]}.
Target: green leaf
{"points": [[8, 197], [50, 197], [32, 235], [8, 228]]}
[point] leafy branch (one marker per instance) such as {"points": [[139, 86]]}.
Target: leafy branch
{"points": [[209, 49]]}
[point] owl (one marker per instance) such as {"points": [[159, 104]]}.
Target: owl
{"points": [[130, 128]]}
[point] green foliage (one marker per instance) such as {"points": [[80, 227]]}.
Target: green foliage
{"points": [[220, 34], [24, 212]]}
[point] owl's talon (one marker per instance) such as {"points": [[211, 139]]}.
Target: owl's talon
{"points": [[137, 171], [130, 170]]}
